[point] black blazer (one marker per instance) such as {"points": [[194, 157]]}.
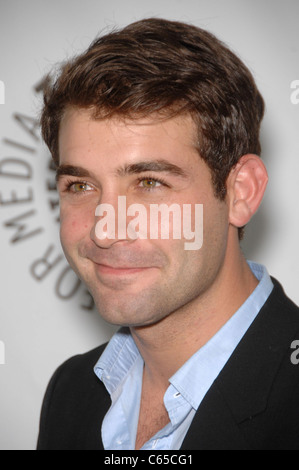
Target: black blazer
{"points": [[252, 405]]}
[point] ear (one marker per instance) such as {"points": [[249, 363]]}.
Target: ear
{"points": [[246, 185]]}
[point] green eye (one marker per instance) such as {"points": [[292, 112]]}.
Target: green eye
{"points": [[149, 183], [79, 187]]}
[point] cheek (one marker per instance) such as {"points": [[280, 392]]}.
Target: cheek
{"points": [[74, 226], [215, 233]]}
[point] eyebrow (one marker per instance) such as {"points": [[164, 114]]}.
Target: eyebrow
{"points": [[152, 165], [133, 168], [71, 170]]}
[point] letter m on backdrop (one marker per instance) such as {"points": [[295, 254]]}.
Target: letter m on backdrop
{"points": [[2, 92]]}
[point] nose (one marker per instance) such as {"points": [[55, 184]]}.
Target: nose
{"points": [[110, 222]]}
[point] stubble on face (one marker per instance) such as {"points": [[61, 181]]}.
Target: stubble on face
{"points": [[161, 278]]}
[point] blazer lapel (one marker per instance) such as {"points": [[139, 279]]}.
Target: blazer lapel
{"points": [[242, 388], [213, 427]]}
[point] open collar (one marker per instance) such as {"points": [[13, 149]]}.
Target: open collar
{"points": [[242, 389]]}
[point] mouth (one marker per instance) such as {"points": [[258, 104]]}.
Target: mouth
{"points": [[105, 269]]}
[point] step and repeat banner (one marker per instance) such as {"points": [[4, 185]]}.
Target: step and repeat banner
{"points": [[46, 314]]}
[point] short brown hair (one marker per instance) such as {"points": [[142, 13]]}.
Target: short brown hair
{"points": [[166, 67]]}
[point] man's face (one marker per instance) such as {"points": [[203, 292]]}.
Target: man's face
{"points": [[137, 282]]}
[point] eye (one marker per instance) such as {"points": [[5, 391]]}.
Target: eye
{"points": [[78, 187], [150, 183]]}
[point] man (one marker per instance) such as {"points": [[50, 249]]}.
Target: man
{"points": [[162, 113]]}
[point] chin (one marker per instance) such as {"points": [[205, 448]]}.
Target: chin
{"points": [[125, 310]]}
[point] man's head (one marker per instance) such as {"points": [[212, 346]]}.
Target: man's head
{"points": [[157, 112], [164, 68]]}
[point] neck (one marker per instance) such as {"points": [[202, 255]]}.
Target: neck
{"points": [[165, 346]]}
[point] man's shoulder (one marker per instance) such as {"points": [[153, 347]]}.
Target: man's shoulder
{"points": [[74, 405], [85, 358], [75, 379], [281, 303], [81, 365], [277, 323]]}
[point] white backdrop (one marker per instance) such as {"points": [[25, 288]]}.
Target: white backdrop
{"points": [[46, 315]]}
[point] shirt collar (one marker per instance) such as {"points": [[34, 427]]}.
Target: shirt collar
{"points": [[204, 366], [117, 359]]}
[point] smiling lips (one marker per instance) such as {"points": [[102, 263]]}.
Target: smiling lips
{"points": [[122, 261], [119, 271]]}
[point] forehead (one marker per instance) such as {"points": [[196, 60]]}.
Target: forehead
{"points": [[81, 136]]}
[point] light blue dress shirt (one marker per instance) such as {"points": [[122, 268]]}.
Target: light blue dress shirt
{"points": [[120, 368]]}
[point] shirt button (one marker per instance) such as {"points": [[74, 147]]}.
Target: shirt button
{"points": [[155, 442]]}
